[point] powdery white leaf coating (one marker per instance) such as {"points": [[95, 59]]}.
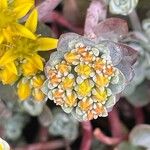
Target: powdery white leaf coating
{"points": [[64, 125], [33, 107], [123, 7], [146, 26], [140, 136], [64, 40], [14, 125], [55, 58], [119, 87], [111, 102], [140, 96], [45, 118]]}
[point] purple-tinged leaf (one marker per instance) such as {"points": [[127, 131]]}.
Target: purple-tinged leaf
{"points": [[129, 54], [111, 29]]}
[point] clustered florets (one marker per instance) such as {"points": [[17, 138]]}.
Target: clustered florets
{"points": [[81, 79]]}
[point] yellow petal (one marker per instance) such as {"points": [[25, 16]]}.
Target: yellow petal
{"points": [[7, 35], [31, 22], [38, 61], [47, 43], [7, 58], [3, 4], [22, 10], [24, 89], [8, 77], [38, 94], [29, 68], [84, 88], [21, 2], [22, 31], [1, 38], [12, 68], [37, 81]]}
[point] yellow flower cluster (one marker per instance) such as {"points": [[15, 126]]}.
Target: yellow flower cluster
{"points": [[31, 88], [81, 81], [19, 46]]}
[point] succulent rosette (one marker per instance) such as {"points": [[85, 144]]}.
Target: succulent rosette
{"points": [[85, 77], [60, 121], [123, 7], [141, 42]]}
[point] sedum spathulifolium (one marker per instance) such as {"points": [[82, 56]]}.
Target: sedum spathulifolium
{"points": [[85, 77]]}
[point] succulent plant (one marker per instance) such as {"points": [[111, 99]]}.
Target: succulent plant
{"points": [[64, 125], [123, 7], [84, 77]]}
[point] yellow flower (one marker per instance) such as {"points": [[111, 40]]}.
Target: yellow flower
{"points": [[8, 75], [32, 65], [31, 88], [24, 89], [25, 50], [10, 13], [38, 95]]}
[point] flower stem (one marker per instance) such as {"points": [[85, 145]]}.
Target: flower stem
{"points": [[52, 145], [139, 116], [105, 139], [87, 135], [58, 18], [115, 124]]}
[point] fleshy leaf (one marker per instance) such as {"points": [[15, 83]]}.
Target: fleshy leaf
{"points": [[140, 136], [65, 39], [111, 29], [46, 117], [33, 107], [140, 97]]}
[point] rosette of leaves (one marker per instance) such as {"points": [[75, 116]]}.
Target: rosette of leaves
{"points": [[122, 7], [137, 92], [64, 125], [14, 125], [86, 76]]}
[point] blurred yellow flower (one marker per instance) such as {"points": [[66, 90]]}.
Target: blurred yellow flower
{"points": [[10, 13]]}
